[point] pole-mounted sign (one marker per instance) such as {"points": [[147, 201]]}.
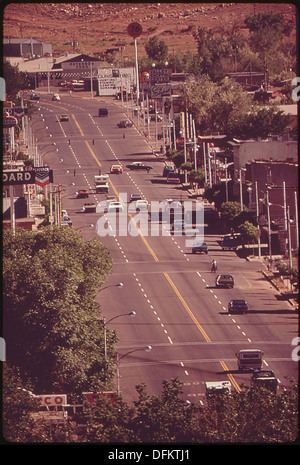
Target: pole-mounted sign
{"points": [[134, 30], [40, 176]]}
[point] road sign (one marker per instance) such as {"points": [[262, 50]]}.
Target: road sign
{"points": [[17, 112], [134, 30]]}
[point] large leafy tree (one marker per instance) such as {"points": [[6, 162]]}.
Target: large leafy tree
{"points": [[266, 29], [52, 324], [156, 49]]}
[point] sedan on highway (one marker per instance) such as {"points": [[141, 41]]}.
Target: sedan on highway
{"points": [[138, 165], [135, 197], [115, 207], [200, 247], [116, 169], [64, 118], [125, 124], [82, 194], [237, 306]]}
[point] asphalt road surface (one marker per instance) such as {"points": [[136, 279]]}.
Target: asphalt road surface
{"points": [[179, 311]]}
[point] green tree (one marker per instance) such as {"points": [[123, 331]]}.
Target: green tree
{"points": [[267, 29], [156, 49], [214, 51], [51, 316], [14, 80]]}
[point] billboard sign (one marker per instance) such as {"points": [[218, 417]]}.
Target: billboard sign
{"points": [[40, 176]]}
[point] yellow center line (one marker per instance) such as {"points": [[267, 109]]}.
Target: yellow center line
{"points": [[233, 381], [77, 124], [204, 334], [180, 297]]}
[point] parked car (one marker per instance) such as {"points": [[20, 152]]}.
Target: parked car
{"points": [[82, 194], [35, 97], [237, 306], [154, 117], [67, 221], [224, 280], [64, 118], [116, 169], [56, 97], [168, 169], [125, 124], [138, 165], [200, 247]]}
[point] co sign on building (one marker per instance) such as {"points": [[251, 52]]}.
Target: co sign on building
{"points": [[54, 399]]}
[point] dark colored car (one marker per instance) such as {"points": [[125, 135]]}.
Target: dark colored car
{"points": [[34, 97], [125, 124], [82, 194], [224, 280], [168, 169], [237, 306], [138, 165], [200, 247], [103, 112]]}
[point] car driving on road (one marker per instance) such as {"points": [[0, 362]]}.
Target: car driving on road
{"points": [[82, 194], [138, 165], [116, 169], [200, 247], [125, 124], [237, 306], [224, 280]]}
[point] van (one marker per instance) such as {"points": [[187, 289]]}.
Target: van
{"points": [[216, 389], [102, 188], [249, 359], [103, 112], [101, 179], [224, 280]]}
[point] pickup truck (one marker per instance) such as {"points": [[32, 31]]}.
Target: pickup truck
{"points": [[138, 165]]}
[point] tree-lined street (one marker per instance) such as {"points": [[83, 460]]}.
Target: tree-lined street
{"points": [[179, 311]]}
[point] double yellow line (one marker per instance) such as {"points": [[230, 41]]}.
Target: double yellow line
{"points": [[166, 275]]}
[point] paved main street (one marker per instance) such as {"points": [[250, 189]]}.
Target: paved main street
{"points": [[179, 311]]}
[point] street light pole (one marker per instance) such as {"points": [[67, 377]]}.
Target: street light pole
{"points": [[269, 227], [106, 322], [147, 349]]}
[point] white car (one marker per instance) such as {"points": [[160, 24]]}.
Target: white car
{"points": [[56, 97], [116, 169], [141, 204], [115, 207]]}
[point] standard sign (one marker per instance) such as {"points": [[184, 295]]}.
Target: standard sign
{"points": [[12, 178], [39, 176]]}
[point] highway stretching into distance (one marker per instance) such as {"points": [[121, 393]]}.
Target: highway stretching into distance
{"points": [[179, 311]]}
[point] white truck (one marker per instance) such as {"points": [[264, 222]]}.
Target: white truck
{"points": [[249, 359], [101, 183], [214, 388]]}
